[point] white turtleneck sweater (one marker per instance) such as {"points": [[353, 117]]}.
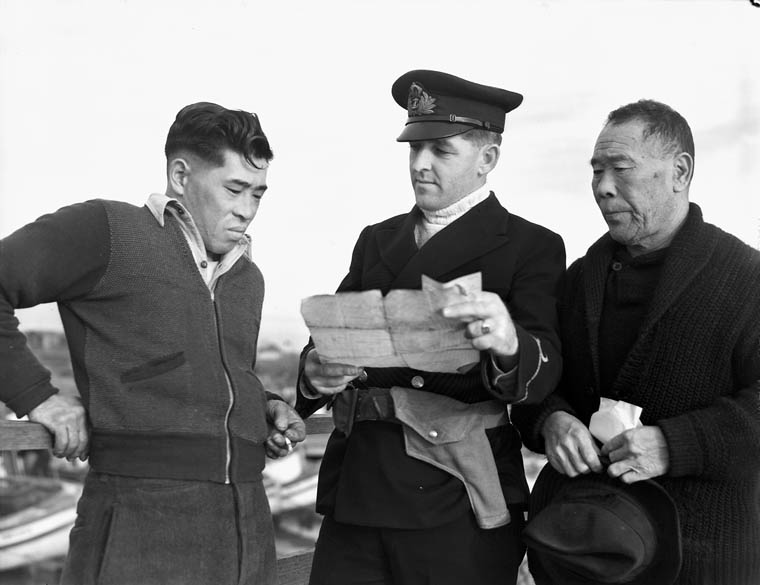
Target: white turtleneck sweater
{"points": [[433, 222]]}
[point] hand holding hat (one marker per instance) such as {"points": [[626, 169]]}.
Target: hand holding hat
{"points": [[635, 452], [570, 447]]}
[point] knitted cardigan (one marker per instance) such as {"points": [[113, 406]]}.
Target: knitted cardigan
{"points": [[695, 371]]}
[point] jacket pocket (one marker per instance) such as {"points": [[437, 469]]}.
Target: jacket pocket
{"points": [[154, 367], [438, 419], [160, 396]]}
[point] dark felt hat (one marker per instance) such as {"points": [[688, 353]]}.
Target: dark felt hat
{"points": [[594, 529], [440, 105]]}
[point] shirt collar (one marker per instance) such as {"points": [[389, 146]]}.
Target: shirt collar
{"points": [[157, 204]]}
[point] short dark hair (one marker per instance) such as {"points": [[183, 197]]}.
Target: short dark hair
{"points": [[205, 130], [480, 137], [661, 120]]}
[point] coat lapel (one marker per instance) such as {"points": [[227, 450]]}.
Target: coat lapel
{"points": [[595, 266], [397, 246], [687, 256], [477, 232]]}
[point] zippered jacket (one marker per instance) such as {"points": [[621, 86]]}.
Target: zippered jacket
{"points": [[165, 371]]}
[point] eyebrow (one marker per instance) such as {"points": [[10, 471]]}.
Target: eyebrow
{"points": [[610, 158], [246, 184], [446, 142]]}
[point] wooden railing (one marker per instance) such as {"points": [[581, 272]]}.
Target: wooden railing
{"points": [[293, 569]]}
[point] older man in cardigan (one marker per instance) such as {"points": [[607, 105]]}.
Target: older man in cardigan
{"points": [[663, 312]]}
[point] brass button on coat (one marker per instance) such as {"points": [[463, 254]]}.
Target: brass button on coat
{"points": [[433, 434], [418, 382]]}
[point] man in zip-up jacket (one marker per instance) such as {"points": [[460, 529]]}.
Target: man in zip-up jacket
{"points": [[161, 306]]}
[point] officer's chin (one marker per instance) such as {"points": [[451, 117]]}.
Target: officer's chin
{"points": [[426, 199]]}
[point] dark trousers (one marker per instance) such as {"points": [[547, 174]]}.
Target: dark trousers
{"points": [[453, 554], [132, 531]]}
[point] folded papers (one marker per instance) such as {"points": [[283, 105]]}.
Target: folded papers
{"points": [[403, 328], [614, 417]]}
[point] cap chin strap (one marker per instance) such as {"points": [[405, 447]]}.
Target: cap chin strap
{"points": [[454, 119]]}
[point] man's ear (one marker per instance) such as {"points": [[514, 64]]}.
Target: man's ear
{"points": [[489, 156], [683, 169], [178, 172]]}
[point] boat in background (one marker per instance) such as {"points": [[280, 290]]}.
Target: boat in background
{"points": [[37, 513], [290, 482], [36, 516]]}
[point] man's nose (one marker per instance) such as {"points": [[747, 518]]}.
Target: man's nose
{"points": [[247, 208], [604, 185], [421, 159]]}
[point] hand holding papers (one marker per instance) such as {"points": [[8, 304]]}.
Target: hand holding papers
{"points": [[404, 328], [613, 417]]}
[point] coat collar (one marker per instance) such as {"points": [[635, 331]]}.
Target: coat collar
{"points": [[687, 255], [481, 229]]}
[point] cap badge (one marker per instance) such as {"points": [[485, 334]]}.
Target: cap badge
{"points": [[420, 102]]}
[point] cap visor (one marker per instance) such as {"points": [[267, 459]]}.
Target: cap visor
{"points": [[431, 131]]}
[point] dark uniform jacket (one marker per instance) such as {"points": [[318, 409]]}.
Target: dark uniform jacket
{"points": [[368, 479]]}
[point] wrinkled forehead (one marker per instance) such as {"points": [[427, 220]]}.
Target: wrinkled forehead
{"points": [[622, 141]]}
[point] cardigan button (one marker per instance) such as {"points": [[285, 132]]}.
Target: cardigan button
{"points": [[204, 264], [418, 382], [616, 266], [433, 434]]}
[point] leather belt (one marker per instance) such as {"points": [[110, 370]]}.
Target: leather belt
{"points": [[374, 404], [365, 404]]}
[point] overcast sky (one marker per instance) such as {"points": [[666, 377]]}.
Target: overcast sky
{"points": [[89, 89]]}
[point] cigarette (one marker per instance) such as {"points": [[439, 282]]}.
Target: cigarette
{"points": [[289, 443]]}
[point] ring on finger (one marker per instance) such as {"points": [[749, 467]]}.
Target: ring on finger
{"points": [[485, 328]]}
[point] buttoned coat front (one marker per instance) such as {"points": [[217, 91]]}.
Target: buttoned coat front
{"points": [[367, 478]]}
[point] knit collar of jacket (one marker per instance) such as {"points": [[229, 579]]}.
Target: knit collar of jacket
{"points": [[687, 255]]}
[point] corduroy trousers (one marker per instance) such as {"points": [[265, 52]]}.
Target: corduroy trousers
{"points": [[132, 531]]}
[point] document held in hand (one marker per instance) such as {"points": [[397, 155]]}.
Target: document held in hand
{"points": [[404, 328]]}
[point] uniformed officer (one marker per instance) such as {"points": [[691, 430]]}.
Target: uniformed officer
{"points": [[422, 481]]}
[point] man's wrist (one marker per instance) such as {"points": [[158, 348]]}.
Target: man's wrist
{"points": [[510, 349], [504, 363], [306, 389]]}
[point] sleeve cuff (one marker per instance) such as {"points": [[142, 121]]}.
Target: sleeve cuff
{"points": [[306, 389], [501, 378], [684, 454], [31, 398]]}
